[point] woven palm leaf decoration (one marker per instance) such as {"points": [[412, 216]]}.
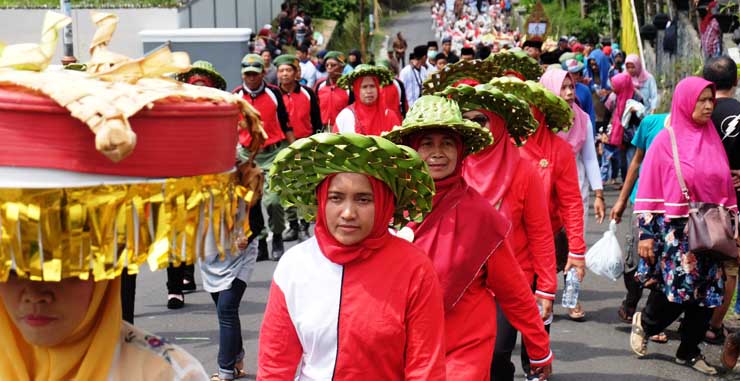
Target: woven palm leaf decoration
{"points": [[435, 112], [299, 168], [480, 71], [558, 114], [519, 62], [516, 113]]}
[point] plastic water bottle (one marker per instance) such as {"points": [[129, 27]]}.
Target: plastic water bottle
{"points": [[572, 287]]}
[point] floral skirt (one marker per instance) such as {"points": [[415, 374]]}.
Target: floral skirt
{"points": [[681, 275]]}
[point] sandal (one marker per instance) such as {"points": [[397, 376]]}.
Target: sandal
{"points": [[238, 373], [660, 338], [625, 315], [719, 335], [576, 314]]}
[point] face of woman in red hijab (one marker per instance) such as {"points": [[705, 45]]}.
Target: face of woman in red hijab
{"points": [[350, 208], [704, 107], [567, 90], [368, 91], [439, 151]]}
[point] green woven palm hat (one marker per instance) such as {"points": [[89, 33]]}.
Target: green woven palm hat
{"points": [[520, 122], [558, 114], [385, 77], [480, 71], [519, 62], [432, 112], [204, 68], [302, 166]]}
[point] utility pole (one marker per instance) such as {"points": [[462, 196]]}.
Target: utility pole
{"points": [[363, 43], [69, 54]]}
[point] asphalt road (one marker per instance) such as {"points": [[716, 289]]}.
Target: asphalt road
{"points": [[597, 349]]}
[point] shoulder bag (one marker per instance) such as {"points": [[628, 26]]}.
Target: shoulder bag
{"points": [[710, 226]]}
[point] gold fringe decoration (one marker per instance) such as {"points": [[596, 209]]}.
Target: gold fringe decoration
{"points": [[52, 234]]}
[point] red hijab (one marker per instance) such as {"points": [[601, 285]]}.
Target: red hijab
{"points": [[460, 233], [491, 171], [625, 90], [375, 118], [342, 254]]}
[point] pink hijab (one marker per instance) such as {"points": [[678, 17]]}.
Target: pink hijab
{"points": [[642, 74], [625, 90], [703, 161], [576, 136]]}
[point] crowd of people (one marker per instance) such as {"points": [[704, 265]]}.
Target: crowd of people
{"points": [[434, 202]]}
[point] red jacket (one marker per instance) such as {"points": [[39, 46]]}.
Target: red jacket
{"points": [[470, 333], [332, 100], [303, 111], [563, 191], [349, 322], [395, 98], [531, 236], [269, 102]]}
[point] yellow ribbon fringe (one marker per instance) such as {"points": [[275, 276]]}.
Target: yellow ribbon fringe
{"points": [[51, 234]]}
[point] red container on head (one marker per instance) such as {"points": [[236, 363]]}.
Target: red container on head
{"points": [[36, 132]]}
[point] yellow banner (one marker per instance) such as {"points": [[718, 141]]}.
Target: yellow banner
{"points": [[629, 42]]}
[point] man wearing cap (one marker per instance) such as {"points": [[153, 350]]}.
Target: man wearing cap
{"points": [[414, 74], [304, 117], [467, 53], [533, 48], [308, 69], [583, 93], [447, 50], [268, 100], [332, 98]]}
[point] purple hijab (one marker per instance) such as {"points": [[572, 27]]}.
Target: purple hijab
{"points": [[703, 161]]}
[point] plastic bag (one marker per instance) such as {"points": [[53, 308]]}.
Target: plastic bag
{"points": [[605, 257]]}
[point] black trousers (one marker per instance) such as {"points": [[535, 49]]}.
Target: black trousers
{"points": [[176, 275], [634, 291], [659, 313], [128, 295]]}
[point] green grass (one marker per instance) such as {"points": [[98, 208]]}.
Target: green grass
{"points": [[92, 3]]}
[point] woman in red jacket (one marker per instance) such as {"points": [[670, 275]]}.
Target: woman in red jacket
{"points": [[353, 302], [556, 165], [512, 186], [466, 239]]}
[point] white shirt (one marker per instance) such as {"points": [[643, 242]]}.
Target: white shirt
{"points": [[413, 80], [308, 72], [345, 121]]}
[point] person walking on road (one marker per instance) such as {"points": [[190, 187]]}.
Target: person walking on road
{"points": [[369, 114], [683, 282], [332, 312], [465, 238], [268, 101]]}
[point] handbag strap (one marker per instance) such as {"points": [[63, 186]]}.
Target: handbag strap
{"points": [[677, 164]]}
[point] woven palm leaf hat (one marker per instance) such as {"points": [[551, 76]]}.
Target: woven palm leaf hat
{"points": [[204, 68], [480, 71], [432, 112], [518, 62], [515, 112], [302, 166], [97, 173], [385, 77], [558, 114]]}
